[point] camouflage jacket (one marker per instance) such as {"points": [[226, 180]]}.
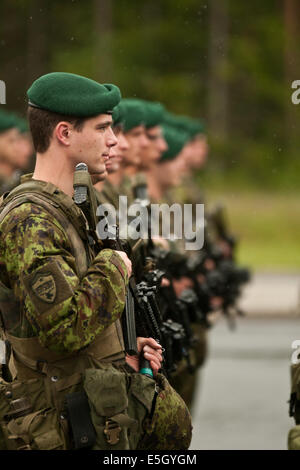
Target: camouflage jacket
{"points": [[65, 312], [110, 193]]}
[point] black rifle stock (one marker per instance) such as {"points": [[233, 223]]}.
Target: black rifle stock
{"points": [[84, 197]]}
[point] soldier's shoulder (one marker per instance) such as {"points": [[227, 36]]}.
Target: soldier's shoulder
{"points": [[20, 211], [25, 213]]}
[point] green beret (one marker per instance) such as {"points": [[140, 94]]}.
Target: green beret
{"points": [[175, 139], [7, 120], [172, 119], [154, 113], [193, 126], [21, 124], [73, 95], [190, 125], [117, 116], [133, 113]]}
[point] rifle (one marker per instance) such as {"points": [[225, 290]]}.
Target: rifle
{"points": [[175, 328], [84, 197], [223, 281], [172, 335], [140, 192]]}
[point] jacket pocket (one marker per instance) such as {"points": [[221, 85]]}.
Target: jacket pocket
{"points": [[142, 398], [17, 399], [40, 430], [108, 400]]}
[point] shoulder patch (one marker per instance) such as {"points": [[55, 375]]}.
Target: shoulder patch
{"points": [[47, 286], [44, 287]]}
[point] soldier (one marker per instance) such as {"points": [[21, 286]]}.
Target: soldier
{"points": [[15, 149], [293, 440], [166, 175], [169, 170], [154, 115], [163, 171], [128, 124], [195, 155], [62, 296], [107, 184], [8, 151], [25, 152], [132, 115]]}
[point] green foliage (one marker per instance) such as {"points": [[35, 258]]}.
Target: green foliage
{"points": [[266, 224]]}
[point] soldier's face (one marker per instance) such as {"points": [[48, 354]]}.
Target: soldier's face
{"points": [[170, 173], [137, 141], [24, 150], [93, 143], [157, 146], [8, 147], [196, 152], [117, 152]]}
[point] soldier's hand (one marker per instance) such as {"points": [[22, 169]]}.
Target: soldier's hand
{"points": [[225, 248], [165, 282], [179, 285], [126, 261], [209, 264], [152, 351], [216, 302]]}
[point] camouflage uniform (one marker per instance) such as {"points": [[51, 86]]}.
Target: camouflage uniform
{"points": [[183, 381], [110, 194], [294, 411], [61, 306], [125, 188], [31, 244]]}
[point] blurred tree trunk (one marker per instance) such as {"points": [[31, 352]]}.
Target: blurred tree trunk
{"points": [[217, 81], [103, 27], [151, 11], [38, 53], [292, 66], [12, 61]]}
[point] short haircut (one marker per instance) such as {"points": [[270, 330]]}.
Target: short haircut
{"points": [[42, 124]]}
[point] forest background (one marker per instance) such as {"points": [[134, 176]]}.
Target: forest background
{"points": [[229, 62]]}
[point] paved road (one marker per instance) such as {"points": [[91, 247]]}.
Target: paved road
{"points": [[272, 294], [244, 387]]}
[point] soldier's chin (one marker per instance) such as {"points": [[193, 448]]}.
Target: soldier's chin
{"points": [[113, 167], [96, 177]]}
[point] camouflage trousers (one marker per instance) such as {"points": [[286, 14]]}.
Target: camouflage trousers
{"points": [[185, 381]]}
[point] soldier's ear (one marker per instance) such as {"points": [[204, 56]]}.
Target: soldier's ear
{"points": [[62, 132]]}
